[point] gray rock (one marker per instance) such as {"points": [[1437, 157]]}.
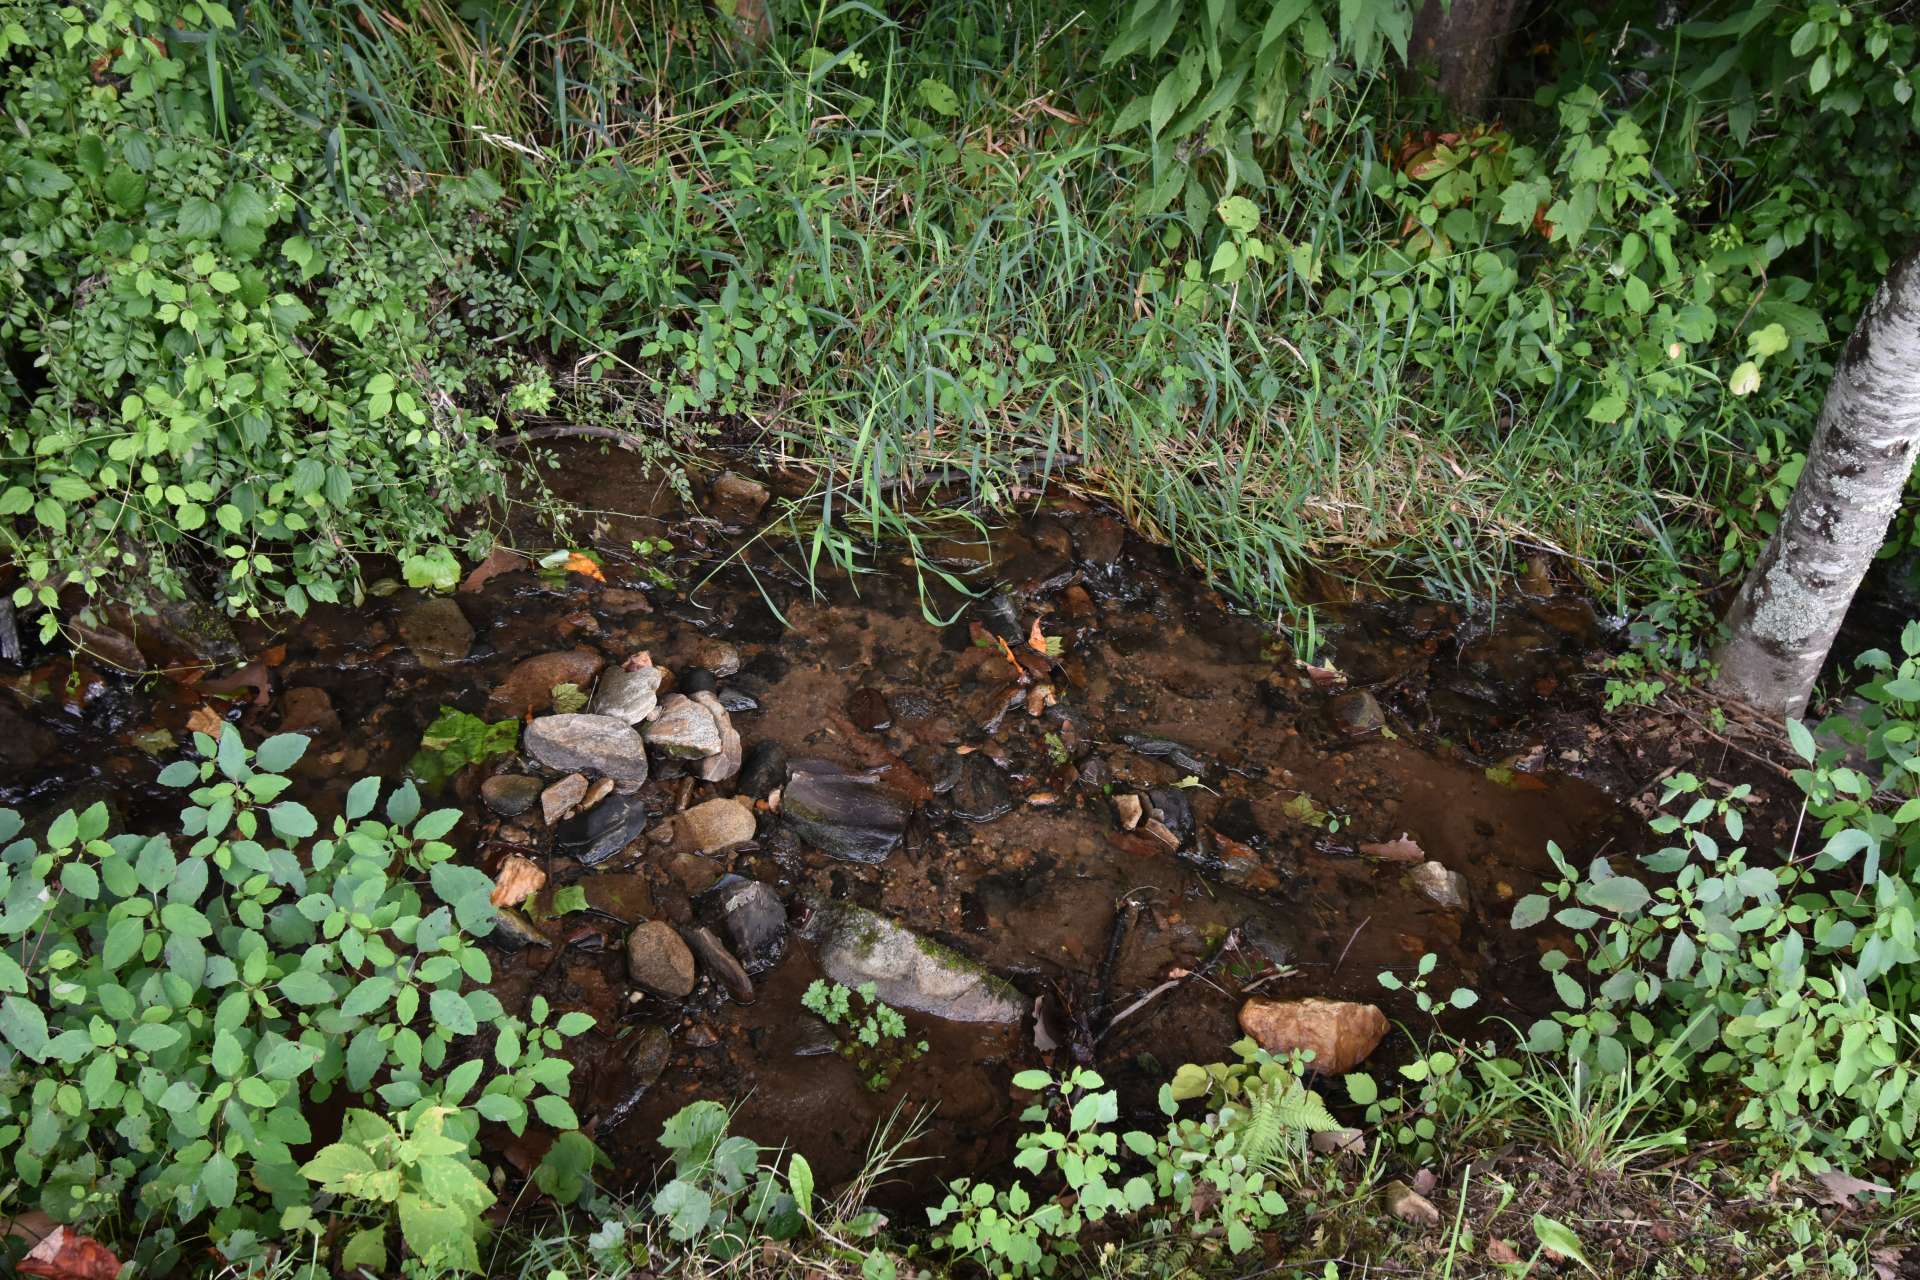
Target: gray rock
{"points": [[720, 962], [911, 972], [1446, 887], [437, 632], [712, 826], [658, 960], [725, 762], [594, 744], [682, 728], [559, 798], [1355, 711], [756, 921], [736, 499], [847, 816], [510, 794], [626, 695], [717, 657], [764, 770], [602, 831], [980, 793]]}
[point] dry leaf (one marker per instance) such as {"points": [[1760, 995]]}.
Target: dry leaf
{"points": [[1887, 1263], [1399, 849], [1840, 1188], [1424, 1181], [1499, 1250], [66, 1255], [519, 880], [577, 563], [498, 561], [1325, 677], [639, 661], [204, 719], [31, 1225]]}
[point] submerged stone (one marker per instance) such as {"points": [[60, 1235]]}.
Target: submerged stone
{"points": [[980, 793], [658, 960], [911, 972], [510, 794], [437, 632], [844, 815], [602, 831]]}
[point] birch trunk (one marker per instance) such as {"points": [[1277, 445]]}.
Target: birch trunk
{"points": [[1790, 607]]}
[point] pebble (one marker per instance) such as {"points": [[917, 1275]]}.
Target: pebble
{"points": [[562, 796], [845, 816], [510, 794], [737, 499], [683, 728], [1356, 711], [756, 921], [529, 686], [713, 826], [1444, 886], [763, 770], [659, 960], [714, 955], [602, 831], [597, 744], [725, 762], [626, 695]]}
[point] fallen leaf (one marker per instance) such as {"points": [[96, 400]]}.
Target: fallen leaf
{"points": [[1424, 1181], [67, 1255], [1499, 1250], [1887, 1263], [639, 661], [1325, 677], [204, 719], [1840, 1188], [578, 563], [251, 677], [498, 561], [519, 879], [1399, 849]]}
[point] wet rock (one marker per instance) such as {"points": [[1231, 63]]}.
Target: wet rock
{"points": [[1338, 1142], [911, 972], [602, 831], [756, 921], [659, 960], [1355, 711], [1446, 887], [514, 930], [626, 695], [23, 744], [683, 728], [308, 710], [1169, 805], [595, 744], [510, 794], [736, 499], [698, 680], [868, 709], [1099, 542], [763, 770], [108, 646], [620, 601], [1341, 1033], [437, 632], [720, 962], [725, 762], [738, 701], [529, 686], [847, 816], [713, 826], [563, 795], [717, 658], [646, 1057], [517, 880], [980, 793]]}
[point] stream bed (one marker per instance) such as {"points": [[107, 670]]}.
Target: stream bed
{"points": [[1092, 813]]}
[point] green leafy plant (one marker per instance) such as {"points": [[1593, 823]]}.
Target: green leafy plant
{"points": [[719, 1194], [175, 1006], [873, 1035], [457, 739]]}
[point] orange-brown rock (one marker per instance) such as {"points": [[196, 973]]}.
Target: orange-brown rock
{"points": [[1341, 1033]]}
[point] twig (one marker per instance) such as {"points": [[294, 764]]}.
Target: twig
{"points": [[1350, 939]]}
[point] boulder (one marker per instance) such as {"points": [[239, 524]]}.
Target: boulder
{"points": [[595, 744], [658, 960], [1341, 1033], [911, 972]]}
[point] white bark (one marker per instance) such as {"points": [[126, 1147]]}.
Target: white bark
{"points": [[1790, 607]]}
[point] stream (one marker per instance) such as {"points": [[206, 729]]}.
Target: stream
{"points": [[1094, 812]]}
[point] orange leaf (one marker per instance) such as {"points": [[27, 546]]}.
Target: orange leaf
{"points": [[577, 563], [66, 1255], [204, 719], [1400, 849]]}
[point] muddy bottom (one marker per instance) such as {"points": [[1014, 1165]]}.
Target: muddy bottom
{"points": [[1108, 780]]}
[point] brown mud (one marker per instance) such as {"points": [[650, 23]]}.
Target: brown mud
{"points": [[1473, 738]]}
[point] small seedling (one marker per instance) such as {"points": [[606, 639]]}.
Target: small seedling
{"points": [[875, 1040]]}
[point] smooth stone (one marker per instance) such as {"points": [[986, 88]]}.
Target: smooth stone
{"points": [[602, 831], [529, 686], [869, 710], [510, 794], [725, 762], [596, 744], [756, 921], [912, 972], [626, 695], [980, 793], [717, 657], [309, 710], [1356, 711], [1341, 1033], [737, 499], [437, 632], [738, 701], [714, 955], [659, 960], [713, 826], [1444, 886], [763, 770], [682, 728], [563, 795], [844, 815]]}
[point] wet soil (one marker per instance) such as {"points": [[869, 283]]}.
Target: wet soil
{"points": [[1466, 736]]}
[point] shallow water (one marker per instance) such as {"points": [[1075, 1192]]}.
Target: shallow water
{"points": [[1157, 687]]}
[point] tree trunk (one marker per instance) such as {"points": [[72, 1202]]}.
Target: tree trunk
{"points": [[1790, 607], [1456, 50]]}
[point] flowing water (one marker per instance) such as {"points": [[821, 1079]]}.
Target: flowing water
{"points": [[1018, 768]]}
